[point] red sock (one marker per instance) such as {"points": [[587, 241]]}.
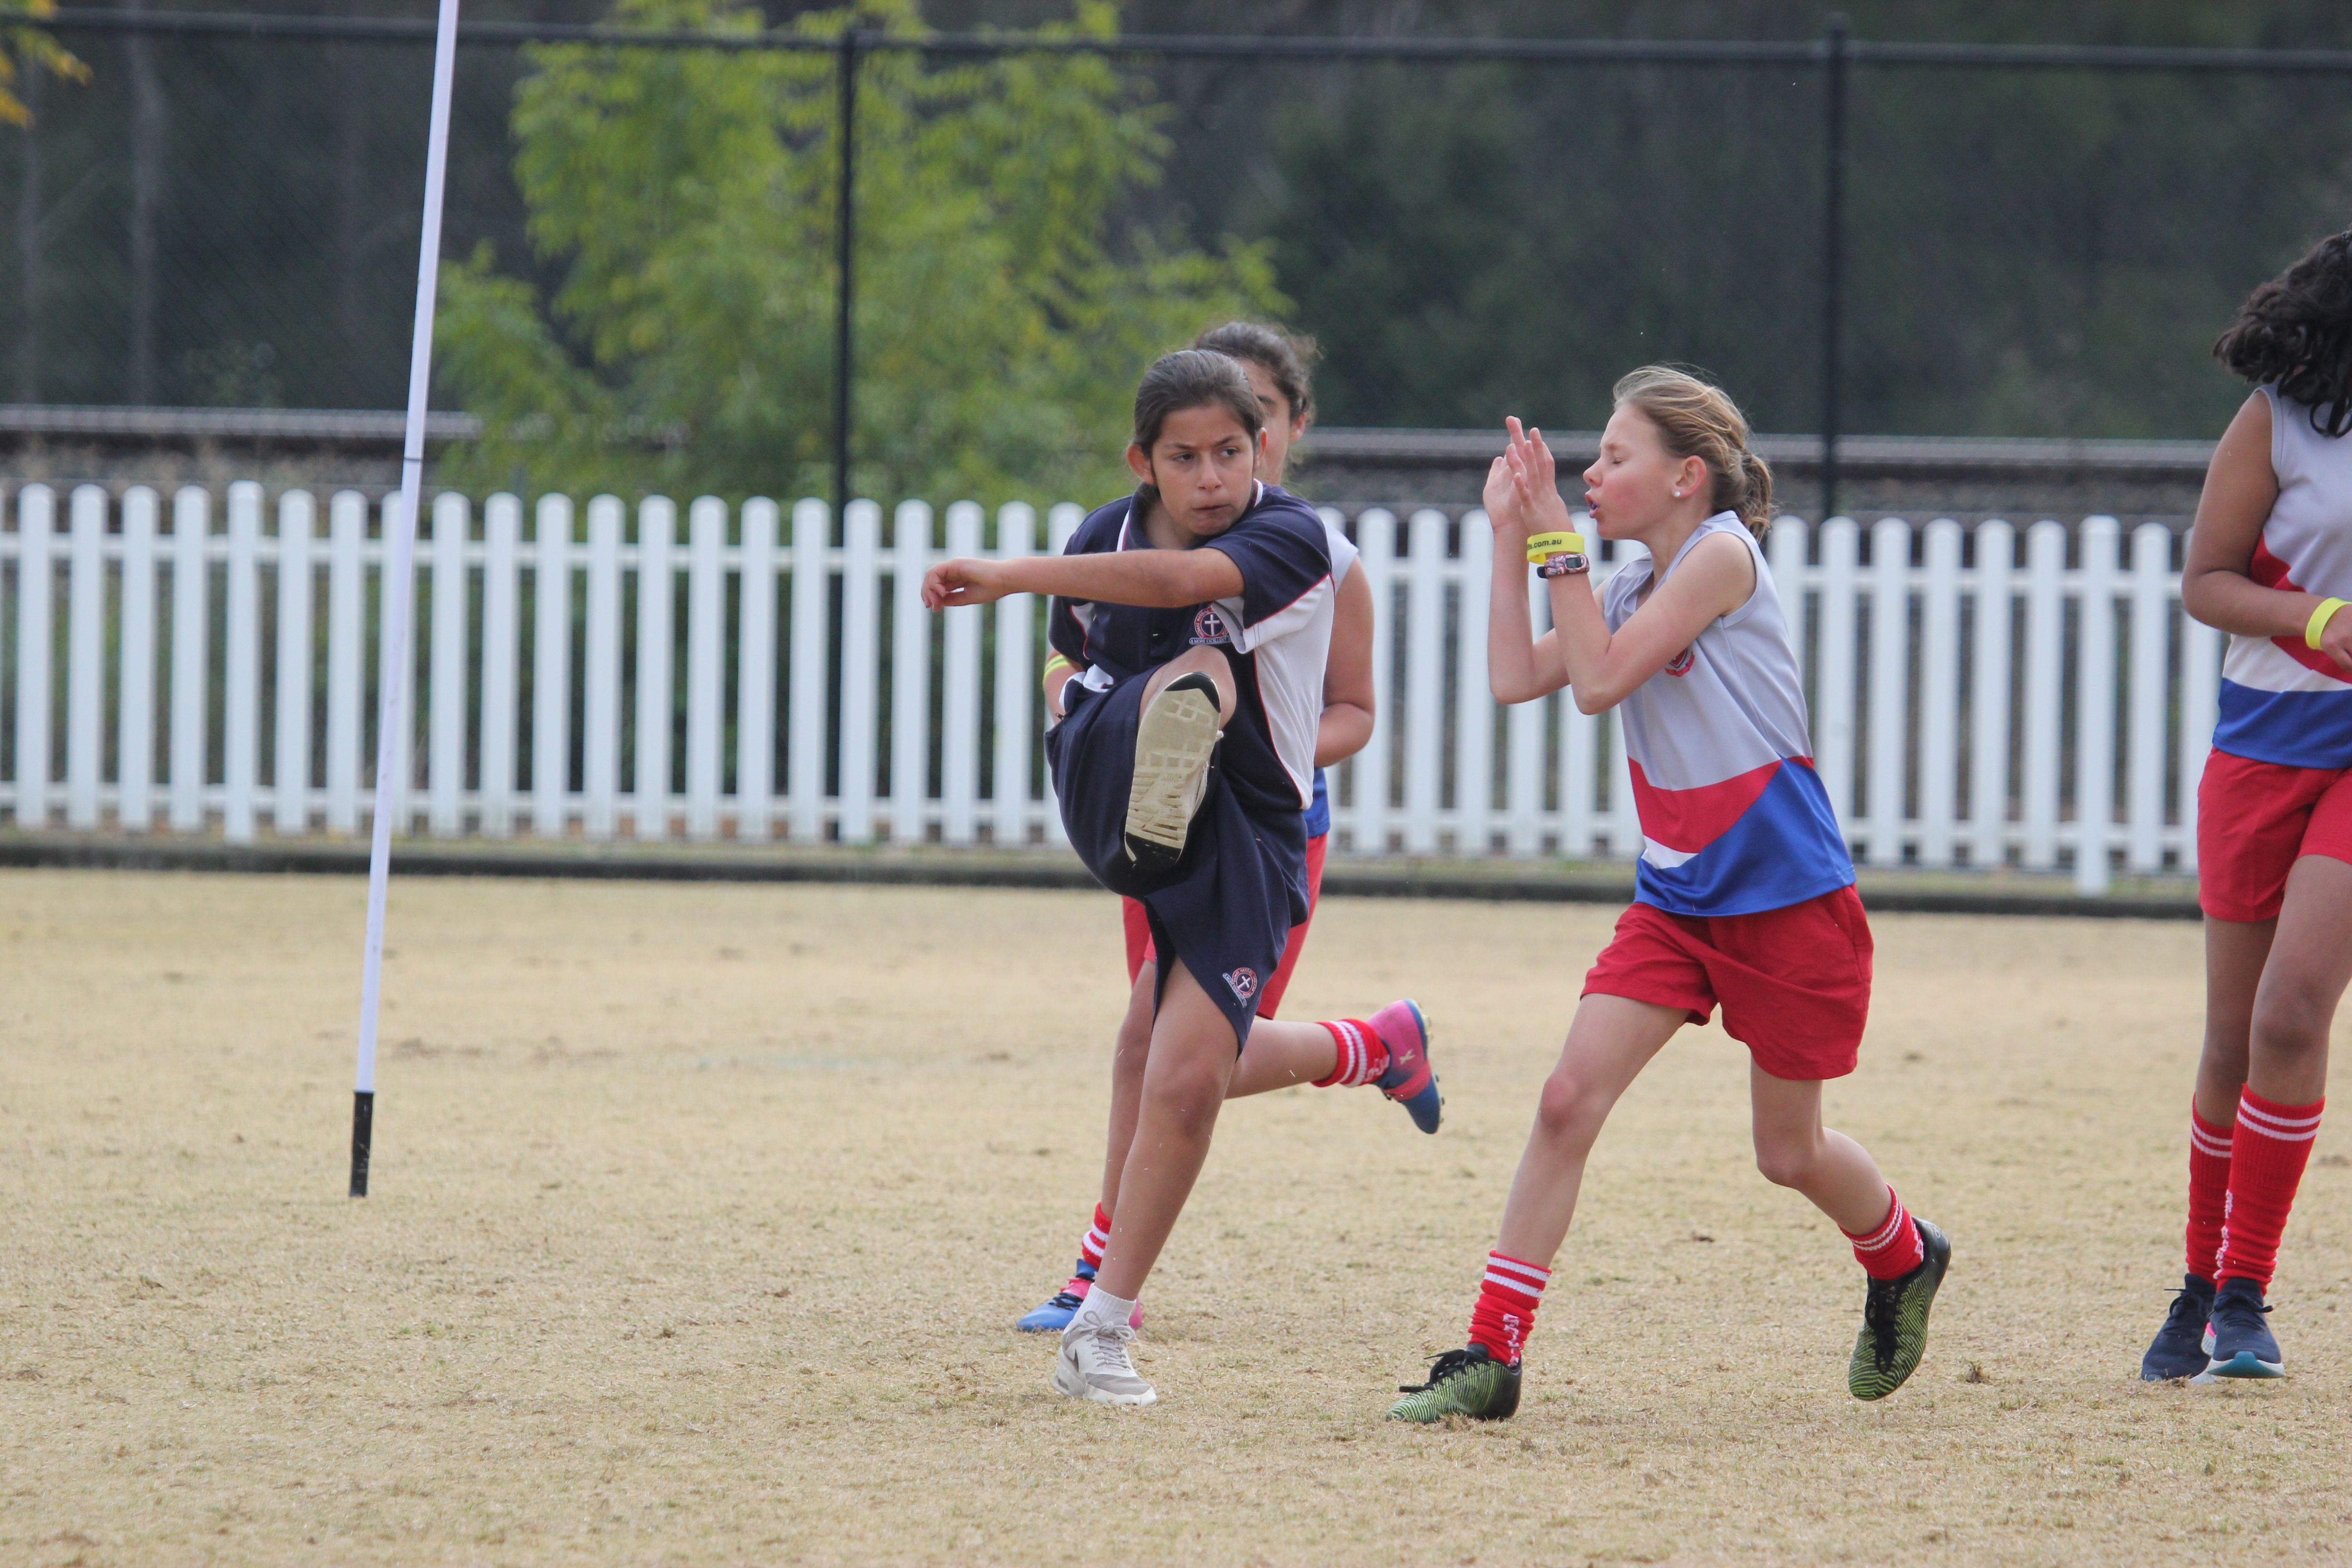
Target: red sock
{"points": [[1362, 1055], [2209, 1193], [1890, 1248], [1506, 1305], [2267, 1154], [1090, 1251]]}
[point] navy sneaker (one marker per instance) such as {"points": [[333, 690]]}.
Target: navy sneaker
{"points": [[2179, 1348], [2238, 1340], [1055, 1315], [1404, 1027]]}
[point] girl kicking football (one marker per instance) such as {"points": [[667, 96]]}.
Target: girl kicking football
{"points": [[1276, 366], [1745, 893], [1200, 609], [2270, 561]]}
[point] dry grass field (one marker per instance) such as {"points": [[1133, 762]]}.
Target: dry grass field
{"points": [[702, 1212]]}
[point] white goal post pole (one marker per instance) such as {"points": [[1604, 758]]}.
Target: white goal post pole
{"points": [[392, 713]]}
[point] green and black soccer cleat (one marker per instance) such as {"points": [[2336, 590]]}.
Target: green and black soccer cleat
{"points": [[1469, 1383], [1895, 1321]]}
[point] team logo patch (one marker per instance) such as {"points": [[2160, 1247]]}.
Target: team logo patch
{"points": [[1244, 983], [1209, 627], [1680, 664]]}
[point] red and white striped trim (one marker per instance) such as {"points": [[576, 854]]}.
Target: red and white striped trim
{"points": [[2284, 1129], [1097, 1237], [1354, 1065], [1888, 1231], [1520, 1279], [2205, 1141]]}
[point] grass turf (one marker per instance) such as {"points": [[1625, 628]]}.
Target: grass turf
{"points": [[702, 1213]]}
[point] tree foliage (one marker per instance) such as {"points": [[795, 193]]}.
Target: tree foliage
{"points": [[30, 48], [686, 203]]}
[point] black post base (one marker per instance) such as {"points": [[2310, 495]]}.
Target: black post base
{"points": [[362, 1132]]}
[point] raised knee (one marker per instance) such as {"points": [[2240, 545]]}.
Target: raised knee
{"points": [[1568, 1111], [1189, 1096], [1785, 1164]]}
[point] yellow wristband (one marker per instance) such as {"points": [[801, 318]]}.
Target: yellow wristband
{"points": [[2319, 619], [1542, 547], [1058, 661]]}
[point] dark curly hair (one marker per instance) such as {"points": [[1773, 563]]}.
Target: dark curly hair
{"points": [[2294, 333], [1287, 357]]}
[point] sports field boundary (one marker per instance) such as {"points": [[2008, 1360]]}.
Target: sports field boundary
{"points": [[2003, 893]]}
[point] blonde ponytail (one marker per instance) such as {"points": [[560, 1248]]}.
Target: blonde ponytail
{"points": [[1695, 419]]}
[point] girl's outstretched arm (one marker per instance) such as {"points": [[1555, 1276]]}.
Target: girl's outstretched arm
{"points": [[1520, 666], [1716, 578], [1151, 579]]}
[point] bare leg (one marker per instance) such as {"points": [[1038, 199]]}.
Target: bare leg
{"points": [[2235, 951], [1184, 1087], [1281, 1054], [1611, 1039], [1203, 660], [2309, 965], [1794, 1150], [1126, 1060]]}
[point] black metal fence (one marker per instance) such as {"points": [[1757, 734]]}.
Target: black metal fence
{"points": [[1856, 236]]}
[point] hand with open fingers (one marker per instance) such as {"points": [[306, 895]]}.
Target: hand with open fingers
{"points": [[1535, 474], [1502, 502], [961, 582]]}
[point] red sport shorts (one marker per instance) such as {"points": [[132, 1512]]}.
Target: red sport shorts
{"points": [[2254, 821], [1139, 933], [1794, 982]]}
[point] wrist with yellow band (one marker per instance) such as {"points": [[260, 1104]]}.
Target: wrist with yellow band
{"points": [[1557, 554], [2317, 628]]}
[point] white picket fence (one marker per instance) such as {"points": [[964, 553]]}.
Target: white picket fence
{"points": [[614, 682]]}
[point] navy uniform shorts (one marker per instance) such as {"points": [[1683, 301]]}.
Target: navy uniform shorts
{"points": [[1225, 909]]}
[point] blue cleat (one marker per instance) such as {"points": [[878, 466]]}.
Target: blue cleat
{"points": [[1404, 1028], [2237, 1339], [2179, 1348], [1055, 1315]]}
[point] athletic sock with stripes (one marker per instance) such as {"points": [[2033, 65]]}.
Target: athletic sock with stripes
{"points": [[1890, 1248], [2267, 1154], [1090, 1251], [1363, 1055], [2208, 1192], [1506, 1305]]}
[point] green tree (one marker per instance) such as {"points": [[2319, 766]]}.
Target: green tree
{"points": [[26, 48], [685, 201]]}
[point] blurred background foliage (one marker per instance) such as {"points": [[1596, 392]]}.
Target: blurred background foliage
{"points": [[642, 265]]}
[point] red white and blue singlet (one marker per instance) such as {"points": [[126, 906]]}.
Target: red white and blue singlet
{"points": [[2280, 701], [1734, 819]]}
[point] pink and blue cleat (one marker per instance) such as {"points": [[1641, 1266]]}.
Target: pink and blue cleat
{"points": [[1404, 1028], [1055, 1314]]}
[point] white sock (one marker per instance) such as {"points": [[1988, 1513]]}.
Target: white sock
{"points": [[1101, 1310]]}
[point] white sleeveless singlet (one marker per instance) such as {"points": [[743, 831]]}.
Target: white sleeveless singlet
{"points": [[1734, 819], [2282, 702]]}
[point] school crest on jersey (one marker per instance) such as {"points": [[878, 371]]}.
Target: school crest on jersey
{"points": [[1680, 664], [1245, 985], [1209, 627]]}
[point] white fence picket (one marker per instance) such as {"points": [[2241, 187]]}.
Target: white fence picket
{"points": [[292, 677], [550, 669], [706, 670], [1967, 756], [657, 692], [35, 523], [501, 663], [135, 758], [85, 654]]}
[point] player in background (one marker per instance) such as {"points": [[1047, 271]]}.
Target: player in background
{"points": [[1200, 608], [1744, 893], [1277, 365], [2268, 555]]}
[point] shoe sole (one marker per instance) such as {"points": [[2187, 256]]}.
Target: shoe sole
{"points": [[1067, 1382], [2246, 1363], [1173, 743]]}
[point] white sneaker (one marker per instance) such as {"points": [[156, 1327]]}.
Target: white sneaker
{"points": [[1175, 737], [1095, 1365]]}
